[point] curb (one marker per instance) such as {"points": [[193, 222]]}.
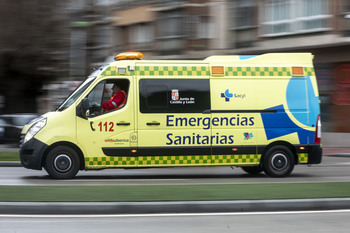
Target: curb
{"points": [[10, 164], [87, 208], [339, 155]]}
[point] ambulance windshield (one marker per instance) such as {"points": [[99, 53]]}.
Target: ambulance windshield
{"points": [[81, 89], [98, 71], [75, 95]]}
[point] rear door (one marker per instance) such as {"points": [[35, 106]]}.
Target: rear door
{"points": [[235, 117]]}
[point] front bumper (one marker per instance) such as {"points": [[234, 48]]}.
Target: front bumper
{"points": [[31, 154]]}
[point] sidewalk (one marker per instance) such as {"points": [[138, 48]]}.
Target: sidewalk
{"points": [[330, 151], [335, 140], [173, 207], [336, 144]]}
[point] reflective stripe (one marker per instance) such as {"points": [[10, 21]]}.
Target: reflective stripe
{"points": [[115, 104], [123, 103], [178, 160]]}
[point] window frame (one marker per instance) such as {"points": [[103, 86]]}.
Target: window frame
{"points": [[188, 88], [105, 97], [296, 18]]}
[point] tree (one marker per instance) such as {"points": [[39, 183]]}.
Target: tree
{"points": [[33, 50]]}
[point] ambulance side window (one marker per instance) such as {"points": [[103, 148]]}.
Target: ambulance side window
{"points": [[96, 94], [95, 98], [174, 95], [102, 92], [157, 96]]}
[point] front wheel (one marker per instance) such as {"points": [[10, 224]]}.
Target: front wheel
{"points": [[278, 161], [62, 162]]}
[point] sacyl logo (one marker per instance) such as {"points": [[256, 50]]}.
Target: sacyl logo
{"points": [[227, 95]]}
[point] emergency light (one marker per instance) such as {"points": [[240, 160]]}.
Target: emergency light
{"points": [[129, 56]]}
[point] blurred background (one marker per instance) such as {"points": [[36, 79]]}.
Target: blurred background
{"points": [[48, 47]]}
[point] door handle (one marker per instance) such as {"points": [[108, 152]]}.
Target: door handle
{"points": [[123, 123], [153, 123]]}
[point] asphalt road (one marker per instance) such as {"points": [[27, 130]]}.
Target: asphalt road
{"points": [[263, 222], [332, 169]]}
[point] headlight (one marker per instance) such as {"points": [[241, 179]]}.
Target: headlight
{"points": [[34, 130]]}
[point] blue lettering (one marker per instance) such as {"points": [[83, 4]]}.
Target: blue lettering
{"points": [[186, 137], [224, 119], [230, 139], [223, 139], [244, 121], [177, 140], [206, 123], [168, 137], [212, 139], [251, 121], [205, 140], [215, 121], [192, 121], [197, 139], [181, 121], [168, 120], [199, 120], [232, 121]]}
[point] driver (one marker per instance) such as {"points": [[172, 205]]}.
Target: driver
{"points": [[117, 100]]}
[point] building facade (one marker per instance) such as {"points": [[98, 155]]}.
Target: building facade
{"points": [[195, 29]]}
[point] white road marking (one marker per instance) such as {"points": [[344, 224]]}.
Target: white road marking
{"points": [[173, 215]]}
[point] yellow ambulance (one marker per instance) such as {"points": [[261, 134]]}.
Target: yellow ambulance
{"points": [[260, 113]]}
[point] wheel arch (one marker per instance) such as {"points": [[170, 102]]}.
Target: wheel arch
{"points": [[69, 144]]}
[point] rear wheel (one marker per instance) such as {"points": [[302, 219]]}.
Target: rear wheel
{"points": [[278, 161], [62, 162]]}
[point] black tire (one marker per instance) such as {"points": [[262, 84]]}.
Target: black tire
{"points": [[253, 170], [62, 162], [278, 161]]}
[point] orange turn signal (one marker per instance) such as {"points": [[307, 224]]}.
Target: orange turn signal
{"points": [[297, 71], [217, 70]]}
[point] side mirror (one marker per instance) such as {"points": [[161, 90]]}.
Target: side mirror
{"points": [[84, 108]]}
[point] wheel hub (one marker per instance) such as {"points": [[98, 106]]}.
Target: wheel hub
{"points": [[279, 161], [62, 163]]}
